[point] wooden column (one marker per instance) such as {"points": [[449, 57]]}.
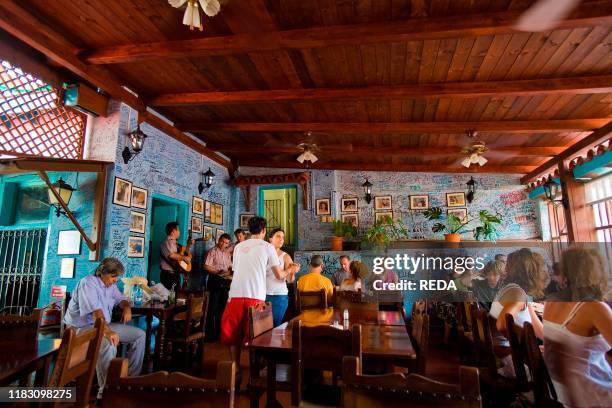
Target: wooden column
{"points": [[578, 214]]}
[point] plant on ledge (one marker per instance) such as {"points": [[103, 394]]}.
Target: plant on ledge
{"points": [[342, 230], [454, 226], [385, 231]]}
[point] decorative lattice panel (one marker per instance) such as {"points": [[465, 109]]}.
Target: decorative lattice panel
{"points": [[33, 122]]}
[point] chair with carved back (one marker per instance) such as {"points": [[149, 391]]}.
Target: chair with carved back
{"points": [[20, 333], [320, 348], [187, 335], [465, 330], [516, 337], [543, 389], [163, 389], [311, 300], [76, 361], [261, 321], [418, 329], [399, 390]]}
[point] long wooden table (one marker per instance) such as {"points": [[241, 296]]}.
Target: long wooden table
{"points": [[384, 337], [18, 365]]}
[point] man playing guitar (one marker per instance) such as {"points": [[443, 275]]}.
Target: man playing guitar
{"points": [[173, 262]]}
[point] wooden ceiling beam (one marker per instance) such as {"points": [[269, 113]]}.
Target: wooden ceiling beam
{"points": [[232, 148], [518, 126], [30, 30], [460, 26], [598, 136], [525, 87], [433, 168]]}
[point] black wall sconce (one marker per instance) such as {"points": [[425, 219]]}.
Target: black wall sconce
{"points": [[471, 187], [206, 181], [367, 187], [65, 191], [137, 139], [551, 190]]}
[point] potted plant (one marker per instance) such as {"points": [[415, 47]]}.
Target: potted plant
{"points": [[454, 226], [384, 231], [341, 230]]}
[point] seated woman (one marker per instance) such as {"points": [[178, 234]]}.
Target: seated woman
{"points": [[578, 333], [353, 282], [95, 297], [486, 289]]}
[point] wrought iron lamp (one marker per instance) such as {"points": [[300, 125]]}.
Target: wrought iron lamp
{"points": [[206, 181], [137, 139], [65, 191], [367, 187], [471, 187], [551, 190]]}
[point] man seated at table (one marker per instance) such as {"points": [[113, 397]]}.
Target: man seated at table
{"points": [[313, 281], [218, 264], [95, 297], [344, 272]]}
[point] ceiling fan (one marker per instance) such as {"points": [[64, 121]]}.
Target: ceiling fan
{"points": [[545, 14], [474, 152], [191, 17], [307, 156]]}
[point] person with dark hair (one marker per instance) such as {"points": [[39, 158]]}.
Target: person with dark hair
{"points": [[277, 292], [218, 264], [343, 272], [169, 257], [313, 280], [240, 235], [251, 260], [486, 289], [94, 297]]}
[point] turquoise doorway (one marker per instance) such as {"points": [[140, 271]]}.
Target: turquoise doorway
{"points": [[278, 205]]}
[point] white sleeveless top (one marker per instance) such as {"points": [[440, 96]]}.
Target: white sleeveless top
{"points": [[496, 307], [577, 365], [276, 286]]}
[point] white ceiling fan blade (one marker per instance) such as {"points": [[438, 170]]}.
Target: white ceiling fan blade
{"points": [[210, 7], [176, 3], [195, 22], [482, 161], [466, 162], [545, 14]]}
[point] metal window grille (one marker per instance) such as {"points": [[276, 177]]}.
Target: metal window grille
{"points": [[32, 120], [599, 197], [21, 262], [273, 212]]}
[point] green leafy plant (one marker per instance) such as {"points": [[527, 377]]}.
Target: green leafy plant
{"points": [[451, 224], [344, 229], [385, 231]]}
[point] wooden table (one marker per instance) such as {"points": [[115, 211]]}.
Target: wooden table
{"points": [[19, 365], [384, 337], [163, 312]]}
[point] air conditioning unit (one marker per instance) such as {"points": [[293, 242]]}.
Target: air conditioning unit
{"points": [[86, 100]]}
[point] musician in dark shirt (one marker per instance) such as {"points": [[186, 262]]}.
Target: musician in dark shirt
{"points": [[170, 275]]}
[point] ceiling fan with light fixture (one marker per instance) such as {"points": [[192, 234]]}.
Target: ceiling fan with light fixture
{"points": [[545, 14], [474, 152], [308, 156], [191, 17]]}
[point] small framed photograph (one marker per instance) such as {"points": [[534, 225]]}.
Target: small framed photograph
{"points": [[382, 203], [419, 202], [352, 218], [207, 211], [349, 204], [139, 197], [136, 247], [207, 232], [122, 194], [383, 216], [69, 243], [67, 268], [218, 214], [137, 222], [244, 220], [197, 205], [196, 225], [219, 233], [455, 199], [323, 206], [460, 213]]}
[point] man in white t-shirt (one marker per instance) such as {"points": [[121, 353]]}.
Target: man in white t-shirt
{"points": [[248, 289]]}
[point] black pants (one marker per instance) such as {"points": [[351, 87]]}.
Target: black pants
{"points": [[168, 279], [219, 290]]}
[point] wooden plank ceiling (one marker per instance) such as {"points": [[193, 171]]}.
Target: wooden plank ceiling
{"points": [[381, 84]]}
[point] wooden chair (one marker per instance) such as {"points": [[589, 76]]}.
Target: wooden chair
{"points": [[343, 297], [413, 390], [20, 333], [162, 389], [76, 361], [261, 321], [543, 389], [189, 329], [311, 300], [516, 337], [466, 331], [418, 329], [320, 348]]}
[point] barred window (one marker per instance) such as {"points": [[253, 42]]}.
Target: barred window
{"points": [[599, 196], [33, 122]]}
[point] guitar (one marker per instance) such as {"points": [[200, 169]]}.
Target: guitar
{"points": [[185, 265]]}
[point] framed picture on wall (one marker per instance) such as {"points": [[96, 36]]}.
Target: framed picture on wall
{"points": [[136, 247], [217, 218], [207, 210], [207, 232], [138, 222], [244, 220], [323, 206], [219, 233], [139, 197], [67, 268], [197, 205], [382, 203], [419, 202], [122, 194], [196, 225], [455, 199], [69, 243], [383, 216], [349, 204], [352, 218], [460, 213]]}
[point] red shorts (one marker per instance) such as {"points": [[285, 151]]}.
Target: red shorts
{"points": [[235, 320]]}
